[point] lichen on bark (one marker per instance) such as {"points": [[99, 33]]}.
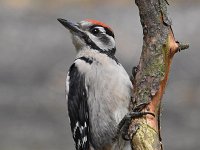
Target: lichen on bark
{"points": [[159, 46], [148, 136], [152, 61]]}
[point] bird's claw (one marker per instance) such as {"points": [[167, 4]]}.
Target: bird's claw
{"points": [[126, 121]]}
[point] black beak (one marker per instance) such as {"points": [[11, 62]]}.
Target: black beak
{"points": [[73, 27]]}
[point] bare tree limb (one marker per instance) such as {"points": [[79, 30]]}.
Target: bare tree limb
{"points": [[159, 47]]}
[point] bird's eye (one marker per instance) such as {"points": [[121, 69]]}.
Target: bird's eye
{"points": [[95, 31]]}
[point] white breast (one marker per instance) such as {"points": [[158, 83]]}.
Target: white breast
{"points": [[109, 93]]}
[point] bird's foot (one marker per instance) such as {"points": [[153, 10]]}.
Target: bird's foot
{"points": [[123, 126]]}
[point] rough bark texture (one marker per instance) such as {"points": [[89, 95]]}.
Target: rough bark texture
{"points": [[159, 47]]}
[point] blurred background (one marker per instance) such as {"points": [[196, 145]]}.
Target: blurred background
{"points": [[36, 52]]}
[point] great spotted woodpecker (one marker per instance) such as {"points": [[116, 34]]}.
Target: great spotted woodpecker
{"points": [[98, 89]]}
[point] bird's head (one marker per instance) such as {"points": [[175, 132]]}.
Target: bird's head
{"points": [[91, 34]]}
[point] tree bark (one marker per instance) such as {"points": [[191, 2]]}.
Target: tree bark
{"points": [[159, 47]]}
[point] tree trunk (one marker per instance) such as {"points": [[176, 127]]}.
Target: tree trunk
{"points": [[159, 47]]}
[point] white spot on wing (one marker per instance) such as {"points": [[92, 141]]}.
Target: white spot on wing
{"points": [[85, 123], [75, 128], [83, 127], [84, 139], [79, 143], [67, 85]]}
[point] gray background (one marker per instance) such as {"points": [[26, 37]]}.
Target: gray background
{"points": [[36, 51]]}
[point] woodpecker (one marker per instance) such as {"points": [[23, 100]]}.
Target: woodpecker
{"points": [[98, 89]]}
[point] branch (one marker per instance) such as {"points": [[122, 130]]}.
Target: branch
{"points": [[159, 47]]}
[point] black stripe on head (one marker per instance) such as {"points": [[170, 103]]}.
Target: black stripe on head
{"points": [[88, 41], [108, 31], [110, 53]]}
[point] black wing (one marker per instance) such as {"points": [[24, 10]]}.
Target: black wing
{"points": [[78, 108]]}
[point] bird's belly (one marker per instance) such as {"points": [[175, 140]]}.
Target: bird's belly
{"points": [[109, 99]]}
